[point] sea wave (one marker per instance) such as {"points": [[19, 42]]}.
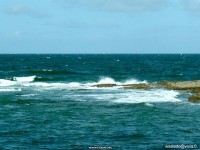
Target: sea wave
{"points": [[10, 90], [115, 94], [4, 82], [150, 96], [131, 96], [24, 79], [17, 81], [28, 81], [51, 72], [108, 80]]}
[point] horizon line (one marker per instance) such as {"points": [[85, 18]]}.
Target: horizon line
{"points": [[98, 53]]}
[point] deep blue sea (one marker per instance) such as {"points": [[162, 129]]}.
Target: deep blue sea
{"points": [[50, 102]]}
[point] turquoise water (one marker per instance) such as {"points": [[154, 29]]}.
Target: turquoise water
{"points": [[49, 102]]}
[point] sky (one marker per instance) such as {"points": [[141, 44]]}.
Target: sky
{"points": [[99, 26]]}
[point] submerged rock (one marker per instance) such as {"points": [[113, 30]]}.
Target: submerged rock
{"points": [[137, 86], [195, 98], [104, 85]]}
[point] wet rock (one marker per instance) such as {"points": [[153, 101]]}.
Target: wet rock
{"points": [[181, 85], [137, 86], [104, 85], [195, 98]]}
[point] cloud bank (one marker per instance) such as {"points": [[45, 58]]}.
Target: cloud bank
{"points": [[15, 34], [192, 5], [19, 9], [117, 5]]}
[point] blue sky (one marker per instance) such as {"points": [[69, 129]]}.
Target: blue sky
{"points": [[99, 26]]}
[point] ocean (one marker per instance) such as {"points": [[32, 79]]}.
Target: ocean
{"points": [[50, 102]]}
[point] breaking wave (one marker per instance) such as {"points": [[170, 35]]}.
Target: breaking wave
{"points": [[114, 94], [24, 79], [108, 80], [28, 81]]}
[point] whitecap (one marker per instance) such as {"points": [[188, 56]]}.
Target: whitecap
{"points": [[148, 96], [28, 95], [24, 79], [149, 104], [106, 80], [10, 90], [4, 82]]}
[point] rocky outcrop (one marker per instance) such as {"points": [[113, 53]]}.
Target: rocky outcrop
{"points": [[105, 85], [195, 98], [126, 86], [181, 85], [192, 86], [137, 86]]}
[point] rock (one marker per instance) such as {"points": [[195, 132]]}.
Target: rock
{"points": [[137, 86], [181, 85], [195, 98], [193, 86], [104, 85], [196, 90]]}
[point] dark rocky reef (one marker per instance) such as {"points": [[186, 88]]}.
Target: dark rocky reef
{"points": [[126, 86], [195, 98], [137, 86], [104, 85], [181, 85], [192, 86]]}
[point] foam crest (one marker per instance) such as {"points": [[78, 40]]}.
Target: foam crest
{"points": [[133, 81], [44, 84], [24, 79], [106, 80], [114, 94], [74, 84], [148, 97], [152, 96], [10, 90], [4, 82]]}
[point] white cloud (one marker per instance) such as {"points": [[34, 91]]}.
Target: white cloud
{"points": [[19, 9], [78, 24], [192, 5], [14, 34], [117, 5], [128, 5]]}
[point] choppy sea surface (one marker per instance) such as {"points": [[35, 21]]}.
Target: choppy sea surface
{"points": [[50, 102]]}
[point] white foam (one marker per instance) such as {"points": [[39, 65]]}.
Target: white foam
{"points": [[10, 90], [44, 84], [29, 95], [74, 84], [133, 81], [89, 85], [4, 82], [106, 80], [46, 70], [25, 79], [28, 81], [149, 104], [148, 96], [114, 94]]}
